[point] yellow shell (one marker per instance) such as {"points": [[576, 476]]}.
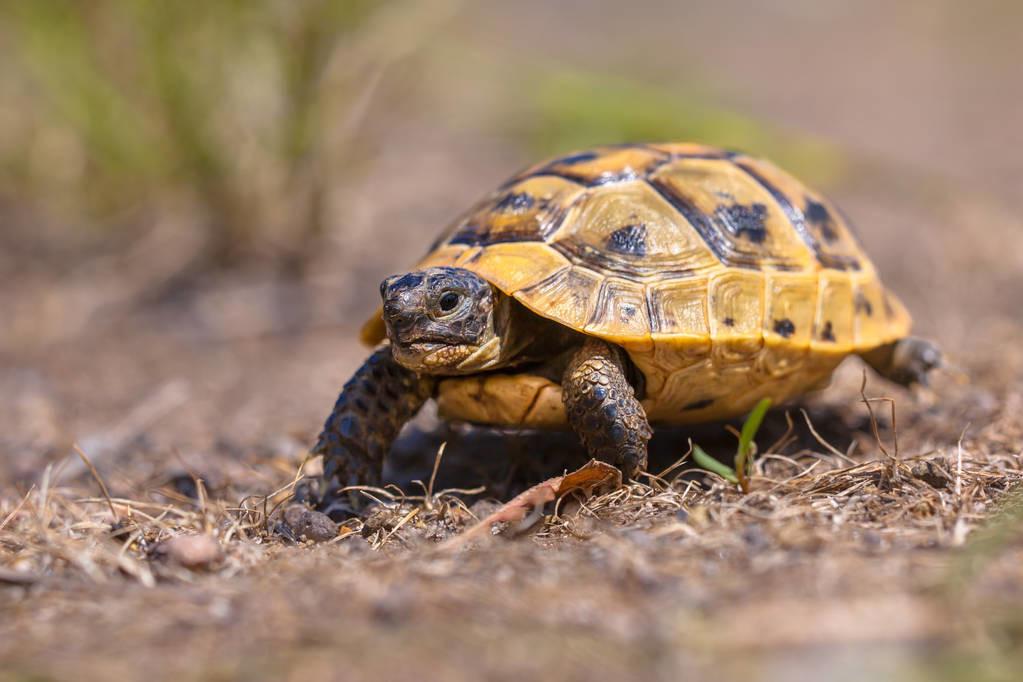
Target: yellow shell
{"points": [[724, 278]]}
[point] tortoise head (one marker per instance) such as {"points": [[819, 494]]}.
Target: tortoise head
{"points": [[443, 321]]}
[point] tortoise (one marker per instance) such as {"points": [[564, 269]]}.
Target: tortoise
{"points": [[618, 287]]}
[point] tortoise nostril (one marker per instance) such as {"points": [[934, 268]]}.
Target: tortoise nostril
{"points": [[397, 317]]}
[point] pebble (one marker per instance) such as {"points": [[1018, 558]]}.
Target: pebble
{"points": [[930, 474], [312, 525], [192, 551]]}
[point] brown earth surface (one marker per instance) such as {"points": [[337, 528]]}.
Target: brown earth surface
{"points": [[856, 554]]}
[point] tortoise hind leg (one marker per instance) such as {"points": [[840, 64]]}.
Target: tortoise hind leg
{"points": [[603, 409], [907, 361]]}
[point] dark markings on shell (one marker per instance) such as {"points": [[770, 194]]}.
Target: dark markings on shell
{"points": [[515, 202], [818, 215], [630, 240], [862, 304], [798, 220], [481, 235], [744, 221], [545, 172], [561, 167], [784, 327], [698, 404], [611, 178], [478, 231], [828, 333], [712, 230], [607, 178], [698, 220], [437, 242], [573, 159], [580, 253], [728, 321], [726, 154], [451, 229]]}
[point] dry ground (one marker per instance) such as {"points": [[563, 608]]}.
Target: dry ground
{"points": [[896, 555]]}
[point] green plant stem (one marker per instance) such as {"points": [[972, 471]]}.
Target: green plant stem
{"points": [[743, 456], [701, 457]]}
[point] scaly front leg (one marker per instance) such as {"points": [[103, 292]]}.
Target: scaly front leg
{"points": [[373, 407], [603, 409]]}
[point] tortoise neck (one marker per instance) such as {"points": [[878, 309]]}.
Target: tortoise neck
{"points": [[528, 338]]}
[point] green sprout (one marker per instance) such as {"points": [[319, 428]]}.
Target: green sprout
{"points": [[743, 455], [726, 472]]}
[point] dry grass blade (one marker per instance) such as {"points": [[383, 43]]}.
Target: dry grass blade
{"points": [[874, 424], [17, 509], [820, 439], [98, 479], [786, 438], [405, 519], [959, 466], [679, 462], [428, 502]]}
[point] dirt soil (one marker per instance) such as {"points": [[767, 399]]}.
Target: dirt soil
{"points": [[886, 548]]}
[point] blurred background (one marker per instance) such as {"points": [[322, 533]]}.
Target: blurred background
{"points": [[198, 199]]}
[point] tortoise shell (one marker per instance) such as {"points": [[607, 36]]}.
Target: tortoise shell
{"points": [[724, 278]]}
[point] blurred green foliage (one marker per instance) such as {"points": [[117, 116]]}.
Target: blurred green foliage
{"points": [[575, 109], [245, 117], [242, 110]]}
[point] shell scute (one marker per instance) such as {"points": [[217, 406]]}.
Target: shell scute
{"points": [[791, 304], [569, 295], [630, 230], [736, 305], [512, 267], [813, 218], [621, 311], [526, 211], [678, 307], [736, 216], [833, 322]]}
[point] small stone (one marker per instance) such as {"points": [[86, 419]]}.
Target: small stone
{"points": [[191, 551], [310, 524], [872, 539], [930, 474], [754, 536]]}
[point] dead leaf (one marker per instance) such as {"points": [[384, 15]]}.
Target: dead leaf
{"points": [[586, 478]]}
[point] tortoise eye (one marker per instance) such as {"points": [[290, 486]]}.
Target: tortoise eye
{"points": [[449, 301]]}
